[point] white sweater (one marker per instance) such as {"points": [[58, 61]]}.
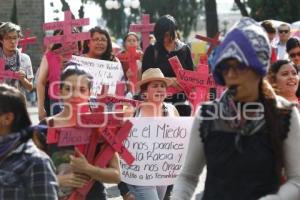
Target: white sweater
{"points": [[195, 161]]}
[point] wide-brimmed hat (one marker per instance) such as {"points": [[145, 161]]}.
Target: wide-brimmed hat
{"points": [[153, 74]]}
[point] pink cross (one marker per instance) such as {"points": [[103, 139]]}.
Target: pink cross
{"points": [[145, 28], [130, 57], [214, 42], [118, 99], [66, 26], [26, 40], [7, 73], [114, 132], [195, 84]]}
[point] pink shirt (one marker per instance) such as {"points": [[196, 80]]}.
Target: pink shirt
{"points": [[54, 71]]}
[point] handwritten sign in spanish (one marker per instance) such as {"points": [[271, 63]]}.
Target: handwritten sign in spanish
{"points": [[158, 145], [103, 72]]}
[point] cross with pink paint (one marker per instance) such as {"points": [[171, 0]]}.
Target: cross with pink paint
{"points": [[130, 57], [66, 26], [145, 28], [214, 42], [7, 74], [118, 100], [90, 128], [26, 40], [195, 84]]}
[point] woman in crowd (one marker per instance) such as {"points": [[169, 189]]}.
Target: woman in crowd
{"points": [[284, 78], [15, 60], [293, 49], [26, 171], [131, 40], [247, 136], [100, 47], [74, 173], [48, 78], [166, 46], [153, 89]]}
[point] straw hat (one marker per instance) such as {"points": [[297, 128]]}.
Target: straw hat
{"points": [[153, 74]]}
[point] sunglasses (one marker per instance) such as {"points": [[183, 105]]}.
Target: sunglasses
{"points": [[283, 31], [293, 55]]}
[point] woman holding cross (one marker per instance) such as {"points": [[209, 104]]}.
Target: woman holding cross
{"points": [[168, 45], [74, 172]]}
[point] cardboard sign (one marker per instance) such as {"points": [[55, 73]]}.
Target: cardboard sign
{"points": [[145, 28], [7, 74], [131, 56], [159, 145], [26, 40], [66, 26], [103, 72], [214, 42]]}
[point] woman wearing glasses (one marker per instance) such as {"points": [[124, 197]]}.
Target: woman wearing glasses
{"points": [[293, 49], [247, 136]]}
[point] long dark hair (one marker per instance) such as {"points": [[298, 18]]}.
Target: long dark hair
{"points": [[108, 54], [277, 122], [165, 24], [12, 100]]}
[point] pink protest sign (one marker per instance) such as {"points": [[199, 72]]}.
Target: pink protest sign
{"points": [[214, 42], [145, 28], [195, 84], [130, 57], [7, 73], [74, 136], [26, 40], [66, 26]]}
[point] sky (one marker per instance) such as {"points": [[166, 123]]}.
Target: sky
{"points": [[93, 11]]}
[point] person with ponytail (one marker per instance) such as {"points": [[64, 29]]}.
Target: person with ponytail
{"points": [[25, 171], [250, 134]]}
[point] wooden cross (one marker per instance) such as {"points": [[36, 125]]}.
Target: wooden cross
{"points": [[214, 42], [26, 40], [119, 99], [130, 57], [89, 129], [66, 26], [145, 28], [195, 84], [7, 74]]}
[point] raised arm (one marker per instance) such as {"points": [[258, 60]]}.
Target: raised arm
{"points": [[187, 180], [40, 87]]}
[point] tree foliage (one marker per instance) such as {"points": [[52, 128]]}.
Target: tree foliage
{"points": [[282, 10], [186, 13]]}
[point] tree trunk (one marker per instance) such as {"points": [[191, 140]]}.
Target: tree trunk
{"points": [[242, 8], [211, 18]]}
